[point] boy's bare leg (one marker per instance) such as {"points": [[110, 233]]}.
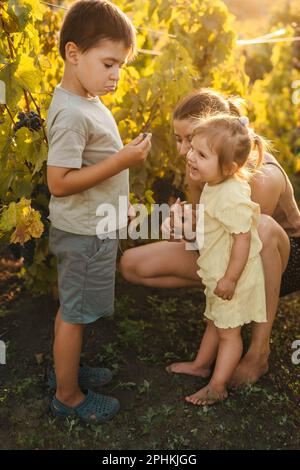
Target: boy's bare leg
{"points": [[229, 353], [201, 366], [67, 350], [275, 254], [57, 321]]}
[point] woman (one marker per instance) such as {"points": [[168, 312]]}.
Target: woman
{"points": [[166, 264]]}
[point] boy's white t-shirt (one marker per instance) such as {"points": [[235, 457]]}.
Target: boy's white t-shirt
{"points": [[81, 132]]}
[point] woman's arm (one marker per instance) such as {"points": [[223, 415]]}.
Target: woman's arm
{"points": [[238, 259], [175, 223], [267, 185]]}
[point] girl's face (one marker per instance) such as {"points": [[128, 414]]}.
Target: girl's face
{"points": [[203, 163], [183, 130]]}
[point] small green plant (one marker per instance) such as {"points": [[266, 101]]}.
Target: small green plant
{"points": [[147, 420], [144, 387], [25, 385], [132, 333], [125, 385]]}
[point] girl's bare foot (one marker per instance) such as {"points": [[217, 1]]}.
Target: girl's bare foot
{"points": [[189, 368], [207, 396]]}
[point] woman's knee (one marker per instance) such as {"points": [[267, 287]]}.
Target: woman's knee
{"points": [[128, 265], [273, 238], [271, 233], [134, 264], [268, 230]]}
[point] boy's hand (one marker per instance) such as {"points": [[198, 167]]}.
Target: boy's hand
{"points": [[136, 151], [225, 288]]}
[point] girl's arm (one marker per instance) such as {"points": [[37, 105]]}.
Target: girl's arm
{"points": [[238, 259]]}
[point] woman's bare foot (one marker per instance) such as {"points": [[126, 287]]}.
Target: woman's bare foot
{"points": [[249, 370], [189, 368], [207, 396]]}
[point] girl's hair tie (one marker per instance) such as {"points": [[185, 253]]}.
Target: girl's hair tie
{"points": [[244, 120]]}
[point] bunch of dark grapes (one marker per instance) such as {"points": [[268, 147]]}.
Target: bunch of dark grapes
{"points": [[30, 120], [15, 250], [44, 211], [40, 189], [25, 251]]}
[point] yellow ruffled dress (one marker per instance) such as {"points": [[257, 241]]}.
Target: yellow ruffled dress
{"points": [[229, 210]]}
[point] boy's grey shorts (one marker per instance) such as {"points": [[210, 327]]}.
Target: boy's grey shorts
{"points": [[86, 268]]}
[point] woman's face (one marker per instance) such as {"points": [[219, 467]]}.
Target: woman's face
{"points": [[183, 130]]}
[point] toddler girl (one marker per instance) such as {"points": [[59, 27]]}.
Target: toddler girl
{"points": [[230, 265]]}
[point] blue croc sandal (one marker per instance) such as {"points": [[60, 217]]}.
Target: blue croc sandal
{"points": [[95, 408], [88, 377]]}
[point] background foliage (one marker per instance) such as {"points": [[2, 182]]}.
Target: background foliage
{"points": [[183, 45]]}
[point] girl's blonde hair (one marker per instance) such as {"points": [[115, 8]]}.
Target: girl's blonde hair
{"points": [[233, 141]]}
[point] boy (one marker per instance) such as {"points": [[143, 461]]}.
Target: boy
{"points": [[87, 167]]}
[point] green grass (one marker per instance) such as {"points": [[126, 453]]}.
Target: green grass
{"points": [[150, 329]]}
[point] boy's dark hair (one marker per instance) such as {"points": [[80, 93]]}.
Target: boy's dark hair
{"points": [[89, 21]]}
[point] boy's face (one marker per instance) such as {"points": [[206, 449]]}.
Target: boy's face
{"points": [[97, 71], [203, 163]]}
